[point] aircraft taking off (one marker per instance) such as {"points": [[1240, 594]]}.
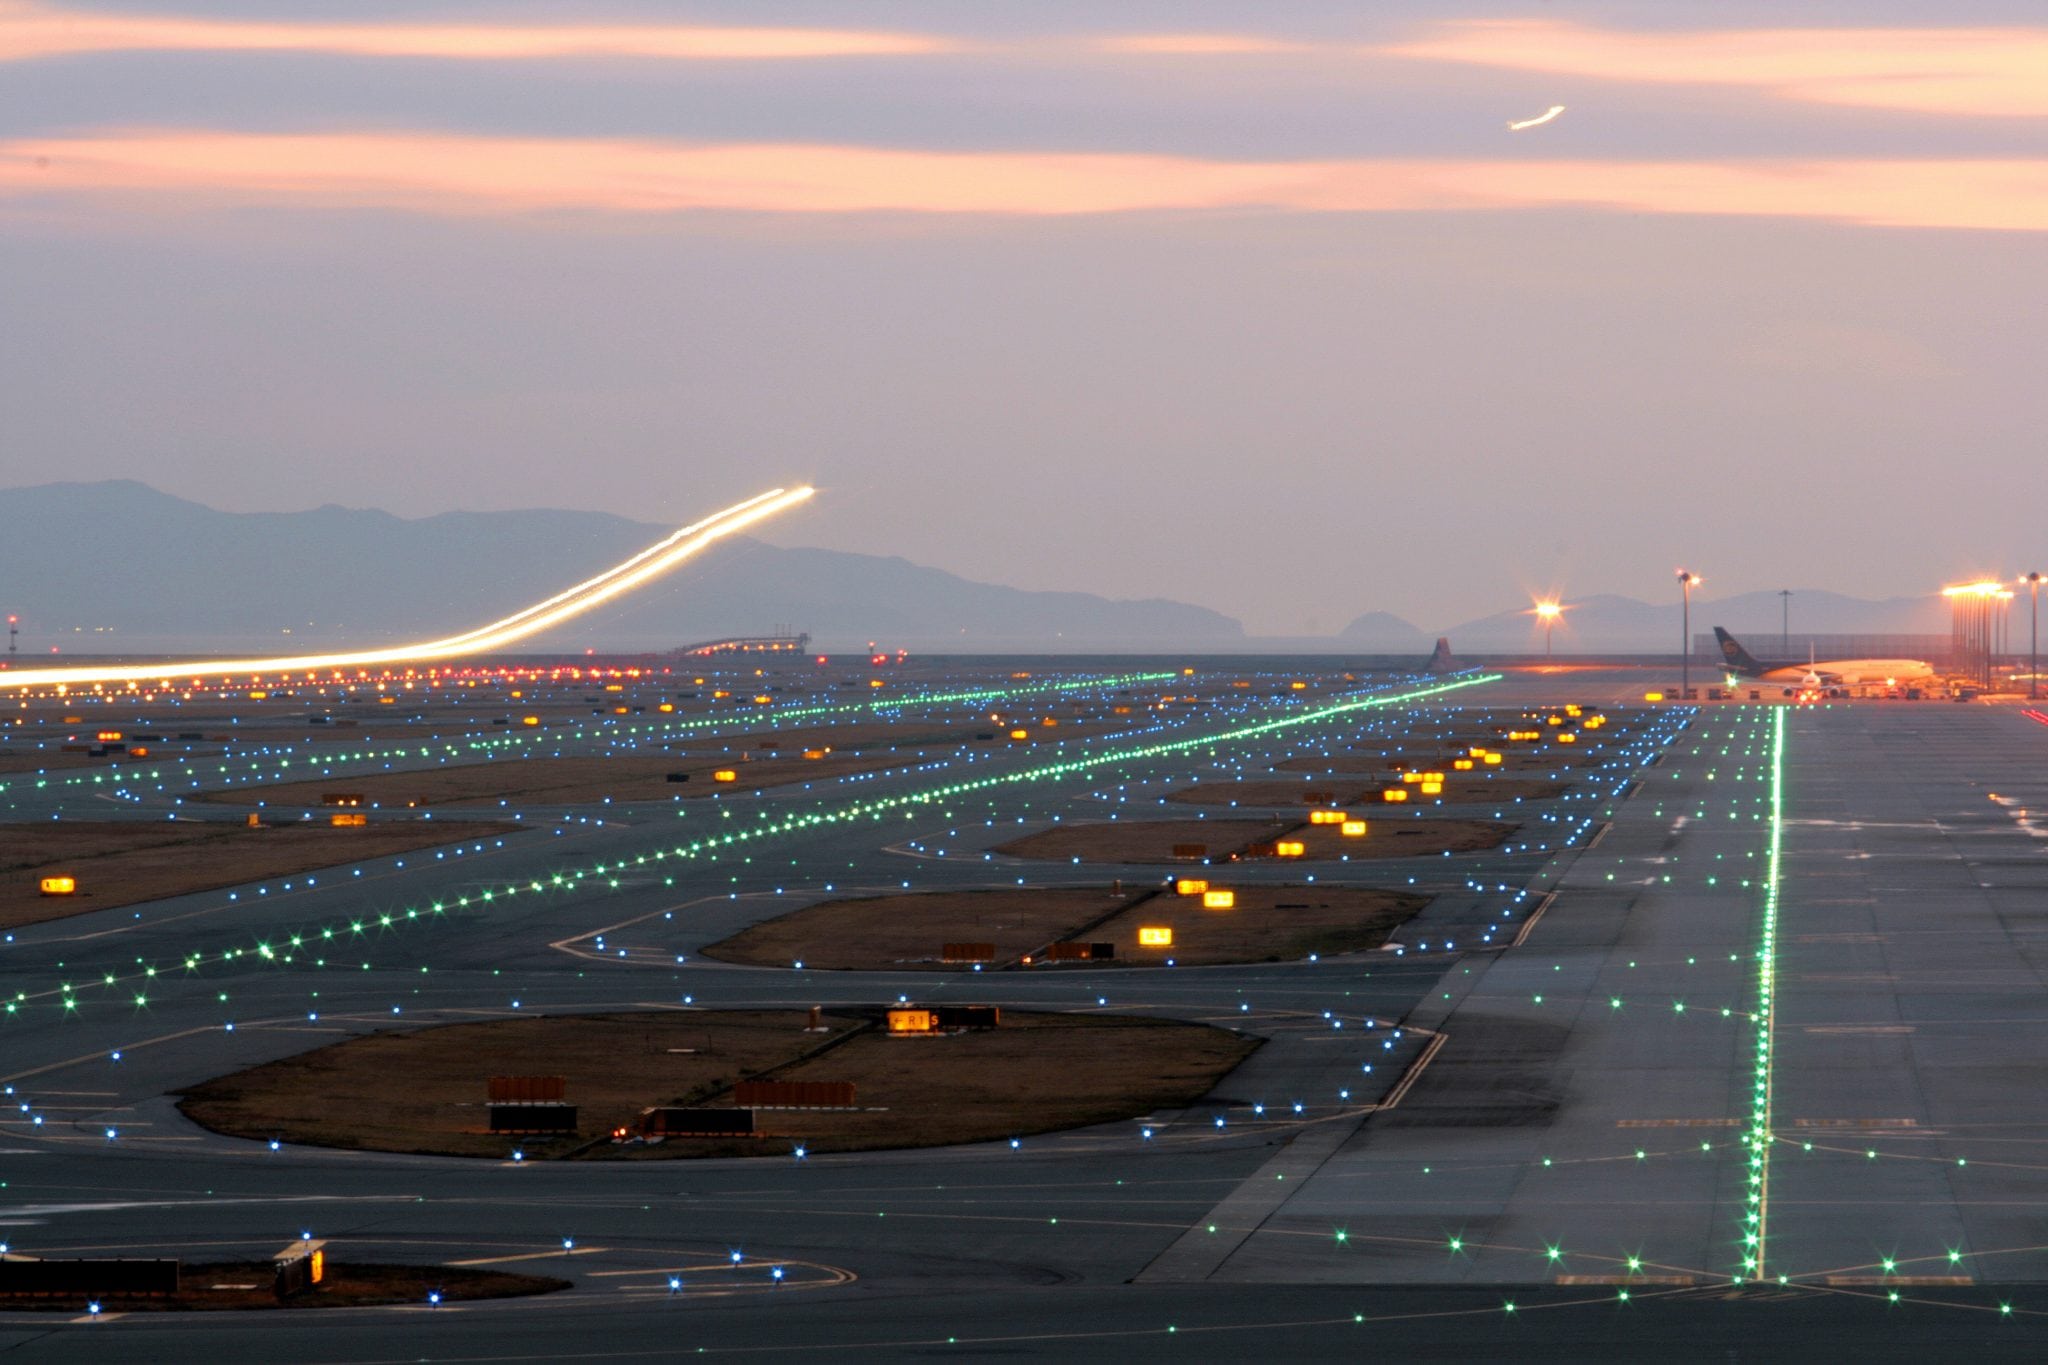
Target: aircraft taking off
{"points": [[1823, 672]]}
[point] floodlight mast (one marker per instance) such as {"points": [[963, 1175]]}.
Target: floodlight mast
{"points": [[1547, 613], [2033, 581], [1686, 579]]}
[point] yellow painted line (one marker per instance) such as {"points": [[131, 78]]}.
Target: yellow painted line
{"points": [[532, 1256]]}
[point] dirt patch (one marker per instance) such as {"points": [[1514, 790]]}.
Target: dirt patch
{"points": [[424, 1091], [1144, 841], [13, 762], [1154, 841], [568, 781], [124, 864], [1484, 790], [1347, 791], [642, 776], [1265, 924], [211, 1285], [1386, 768], [885, 932], [1472, 788], [1268, 923]]}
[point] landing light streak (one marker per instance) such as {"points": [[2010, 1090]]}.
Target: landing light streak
{"points": [[650, 563], [1546, 116]]}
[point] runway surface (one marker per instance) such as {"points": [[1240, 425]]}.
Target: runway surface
{"points": [[1738, 1045]]}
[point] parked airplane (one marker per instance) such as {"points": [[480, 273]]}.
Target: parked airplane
{"points": [[1823, 672]]}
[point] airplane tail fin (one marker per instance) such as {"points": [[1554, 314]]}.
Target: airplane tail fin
{"points": [[1738, 658], [1441, 661]]}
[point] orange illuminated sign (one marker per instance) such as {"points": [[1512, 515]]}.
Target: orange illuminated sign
{"points": [[912, 1021]]}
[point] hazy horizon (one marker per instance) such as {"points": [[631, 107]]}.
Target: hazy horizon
{"points": [[270, 581]]}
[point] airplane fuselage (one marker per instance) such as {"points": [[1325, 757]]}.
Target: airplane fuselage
{"points": [[1848, 673]]}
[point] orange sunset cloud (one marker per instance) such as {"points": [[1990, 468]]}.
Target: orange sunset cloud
{"points": [[464, 174], [1982, 72], [29, 30]]}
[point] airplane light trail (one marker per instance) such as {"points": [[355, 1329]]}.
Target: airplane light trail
{"points": [[1546, 116], [652, 562]]}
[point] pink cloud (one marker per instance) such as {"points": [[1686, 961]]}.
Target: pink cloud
{"points": [[1980, 72], [462, 174], [29, 30]]}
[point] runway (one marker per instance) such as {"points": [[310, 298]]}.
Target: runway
{"points": [[1562, 1125]]}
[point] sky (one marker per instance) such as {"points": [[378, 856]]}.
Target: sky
{"points": [[1260, 306]]}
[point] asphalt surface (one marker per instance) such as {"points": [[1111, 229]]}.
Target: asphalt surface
{"points": [[1505, 1139]]}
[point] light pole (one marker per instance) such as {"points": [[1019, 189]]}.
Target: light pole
{"points": [[1547, 613], [2034, 643], [1686, 579], [1784, 623]]}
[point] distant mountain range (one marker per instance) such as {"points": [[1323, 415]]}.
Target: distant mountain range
{"points": [[120, 567]]}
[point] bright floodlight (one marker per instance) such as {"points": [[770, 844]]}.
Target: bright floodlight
{"points": [[1548, 611], [652, 562]]}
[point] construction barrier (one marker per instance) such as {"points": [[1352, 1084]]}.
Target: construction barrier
{"points": [[21, 1277], [680, 1122], [527, 1089], [542, 1117], [793, 1094]]}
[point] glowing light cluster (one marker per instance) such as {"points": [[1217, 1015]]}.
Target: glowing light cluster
{"points": [[487, 741], [713, 847], [1757, 1209]]}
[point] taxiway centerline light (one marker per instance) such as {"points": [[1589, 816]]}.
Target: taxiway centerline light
{"points": [[648, 564]]}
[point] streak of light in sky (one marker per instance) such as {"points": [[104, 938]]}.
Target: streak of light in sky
{"points": [[1546, 116], [652, 562]]}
